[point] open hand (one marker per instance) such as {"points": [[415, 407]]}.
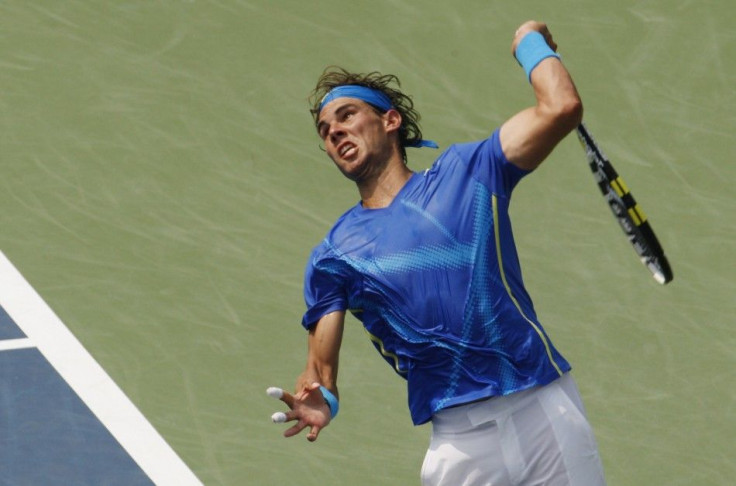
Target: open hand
{"points": [[307, 406]]}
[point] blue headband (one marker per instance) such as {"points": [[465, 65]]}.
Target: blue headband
{"points": [[371, 96]]}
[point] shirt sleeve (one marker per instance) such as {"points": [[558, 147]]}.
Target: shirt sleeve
{"points": [[324, 287], [489, 165]]}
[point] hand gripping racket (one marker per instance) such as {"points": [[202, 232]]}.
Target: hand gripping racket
{"points": [[626, 210]]}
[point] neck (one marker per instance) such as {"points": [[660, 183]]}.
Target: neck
{"points": [[379, 192]]}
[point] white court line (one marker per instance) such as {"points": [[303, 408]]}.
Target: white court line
{"points": [[88, 380], [21, 343]]}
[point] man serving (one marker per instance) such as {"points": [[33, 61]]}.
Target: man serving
{"points": [[427, 262]]}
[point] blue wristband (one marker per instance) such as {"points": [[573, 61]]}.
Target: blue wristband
{"points": [[331, 401], [531, 51]]}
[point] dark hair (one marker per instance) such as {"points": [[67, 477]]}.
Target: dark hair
{"points": [[334, 76]]}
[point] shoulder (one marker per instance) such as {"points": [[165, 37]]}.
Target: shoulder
{"points": [[345, 224], [488, 149], [484, 159]]}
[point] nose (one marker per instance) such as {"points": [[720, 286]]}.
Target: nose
{"points": [[335, 132]]}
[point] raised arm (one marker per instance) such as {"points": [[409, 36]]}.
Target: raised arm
{"points": [[528, 137], [308, 404]]}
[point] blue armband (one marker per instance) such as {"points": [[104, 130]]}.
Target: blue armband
{"points": [[531, 51], [331, 401]]}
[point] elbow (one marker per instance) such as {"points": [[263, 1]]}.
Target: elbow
{"points": [[576, 112], [569, 113], [563, 114]]}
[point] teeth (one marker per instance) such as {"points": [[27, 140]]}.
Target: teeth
{"points": [[347, 150]]}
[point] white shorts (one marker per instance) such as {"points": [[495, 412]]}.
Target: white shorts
{"points": [[535, 437]]}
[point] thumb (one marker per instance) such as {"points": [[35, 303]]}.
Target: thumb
{"points": [[313, 433]]}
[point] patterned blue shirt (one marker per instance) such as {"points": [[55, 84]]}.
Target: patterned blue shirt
{"points": [[435, 280]]}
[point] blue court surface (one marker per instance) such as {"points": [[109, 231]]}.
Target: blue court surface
{"points": [[62, 419]]}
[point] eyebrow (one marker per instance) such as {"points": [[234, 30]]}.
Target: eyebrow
{"points": [[344, 107]]}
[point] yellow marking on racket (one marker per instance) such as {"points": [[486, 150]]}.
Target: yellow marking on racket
{"points": [[619, 186], [637, 215], [634, 217]]}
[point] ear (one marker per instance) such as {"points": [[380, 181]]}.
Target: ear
{"points": [[392, 120]]}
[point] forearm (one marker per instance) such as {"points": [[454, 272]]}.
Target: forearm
{"points": [[317, 372], [557, 98], [323, 344], [528, 137], [553, 86]]}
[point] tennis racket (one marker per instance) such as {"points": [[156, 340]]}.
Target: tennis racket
{"points": [[626, 210]]}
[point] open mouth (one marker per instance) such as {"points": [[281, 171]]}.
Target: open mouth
{"points": [[347, 150]]}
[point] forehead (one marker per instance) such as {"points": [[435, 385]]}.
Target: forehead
{"points": [[334, 106]]}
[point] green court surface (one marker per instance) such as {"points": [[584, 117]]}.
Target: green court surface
{"points": [[161, 186]]}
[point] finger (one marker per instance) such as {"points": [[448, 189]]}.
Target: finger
{"points": [[548, 37], [284, 396], [278, 418], [550, 42], [306, 391], [295, 429], [281, 417], [274, 392], [313, 433]]}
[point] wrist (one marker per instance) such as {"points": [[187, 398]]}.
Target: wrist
{"points": [[531, 50], [331, 401]]}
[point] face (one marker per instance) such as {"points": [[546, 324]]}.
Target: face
{"points": [[356, 137]]}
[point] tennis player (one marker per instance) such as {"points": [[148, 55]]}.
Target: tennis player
{"points": [[427, 262]]}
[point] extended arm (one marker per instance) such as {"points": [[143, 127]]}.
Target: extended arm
{"points": [[528, 137], [307, 404], [323, 353]]}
